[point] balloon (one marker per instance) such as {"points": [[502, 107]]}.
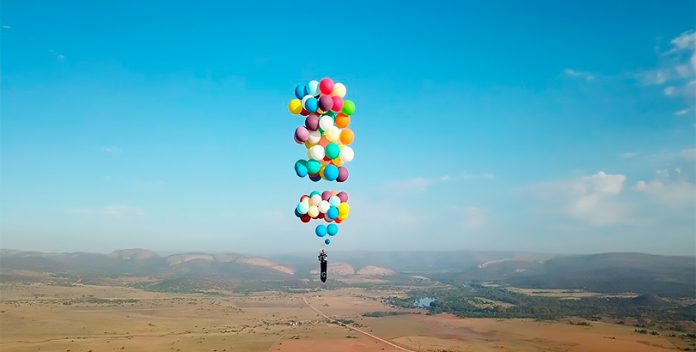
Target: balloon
{"points": [[339, 90], [295, 106], [325, 195], [332, 229], [342, 174], [313, 88], [342, 120], [333, 134], [304, 112], [315, 199], [300, 91], [312, 122], [344, 208], [316, 152], [320, 230], [337, 103], [332, 150], [311, 104], [305, 218], [302, 208], [334, 201], [301, 168], [348, 107], [327, 241], [326, 86], [301, 134], [313, 211], [313, 166], [314, 193], [347, 154], [326, 102], [332, 213], [315, 178], [343, 196], [314, 137], [347, 136], [324, 141], [324, 206], [330, 172], [325, 122], [338, 220]]}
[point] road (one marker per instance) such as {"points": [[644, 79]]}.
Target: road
{"points": [[354, 328]]}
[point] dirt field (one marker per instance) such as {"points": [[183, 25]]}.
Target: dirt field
{"points": [[101, 318]]}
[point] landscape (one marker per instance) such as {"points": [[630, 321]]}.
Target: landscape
{"points": [[138, 300]]}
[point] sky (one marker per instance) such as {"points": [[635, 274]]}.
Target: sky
{"points": [[539, 126]]}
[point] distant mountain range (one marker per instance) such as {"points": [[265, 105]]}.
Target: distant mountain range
{"points": [[668, 276]]}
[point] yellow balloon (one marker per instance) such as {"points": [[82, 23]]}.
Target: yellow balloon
{"points": [[342, 216], [333, 134], [339, 90], [343, 208], [295, 106]]}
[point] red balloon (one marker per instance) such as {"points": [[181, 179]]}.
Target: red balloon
{"points": [[326, 86], [305, 218], [304, 112], [338, 221]]}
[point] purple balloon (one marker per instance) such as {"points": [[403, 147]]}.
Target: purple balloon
{"points": [[301, 134], [343, 196], [325, 102], [325, 195], [342, 175], [312, 122]]}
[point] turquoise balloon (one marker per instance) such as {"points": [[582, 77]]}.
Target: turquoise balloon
{"points": [[301, 168], [332, 213], [320, 230], [314, 193], [332, 150], [302, 208], [327, 241], [331, 172], [313, 166], [332, 229]]}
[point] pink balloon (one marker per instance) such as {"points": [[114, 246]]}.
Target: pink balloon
{"points": [[343, 196], [326, 102], [326, 86], [326, 195], [337, 103], [312, 122], [342, 175], [301, 134]]}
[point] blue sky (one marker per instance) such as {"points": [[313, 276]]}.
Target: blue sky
{"points": [[539, 126]]}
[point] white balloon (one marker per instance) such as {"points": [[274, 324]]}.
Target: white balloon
{"points": [[347, 154], [316, 152], [313, 211], [315, 200], [324, 206], [325, 122], [314, 137], [339, 90], [334, 201], [313, 87], [333, 133]]}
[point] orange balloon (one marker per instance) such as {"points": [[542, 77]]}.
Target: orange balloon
{"points": [[342, 120], [323, 142], [347, 136]]}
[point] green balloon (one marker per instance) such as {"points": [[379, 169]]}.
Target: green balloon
{"points": [[348, 107], [332, 150], [313, 166]]}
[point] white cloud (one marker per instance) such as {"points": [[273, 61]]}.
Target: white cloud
{"points": [[112, 149], [681, 112], [688, 154], [421, 184], [628, 155], [122, 212], [475, 217], [590, 199], [669, 91], [587, 76]]}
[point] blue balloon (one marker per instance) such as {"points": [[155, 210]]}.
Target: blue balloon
{"points": [[332, 229], [327, 241], [297, 213], [315, 178], [320, 230], [302, 208], [331, 172], [332, 213], [300, 91], [301, 168], [311, 105]]}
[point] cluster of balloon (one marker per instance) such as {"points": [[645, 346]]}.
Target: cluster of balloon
{"points": [[326, 136]]}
